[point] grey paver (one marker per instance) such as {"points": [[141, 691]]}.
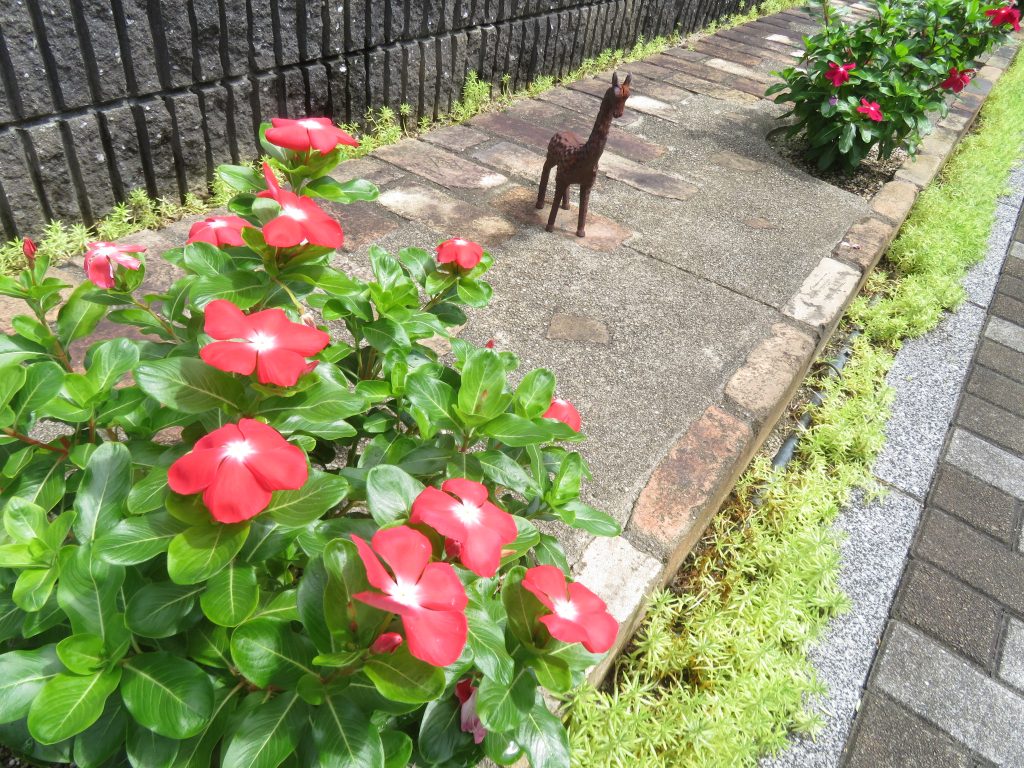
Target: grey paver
{"points": [[992, 423], [997, 388], [973, 500], [1011, 664], [1006, 333], [987, 462]]}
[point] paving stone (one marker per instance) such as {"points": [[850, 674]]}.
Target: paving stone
{"points": [[824, 294], [446, 215], [1012, 286], [734, 68], [1011, 662], [736, 162], [714, 90], [739, 54], [987, 462], [518, 203], [866, 242], [977, 711], [998, 389], [688, 486], [511, 158], [647, 179], [587, 104], [702, 70], [894, 201], [1002, 359], [369, 168], [577, 328], [654, 107], [440, 166], [970, 499], [772, 371], [1005, 333], [889, 736], [508, 126], [758, 223], [1009, 308], [921, 170], [948, 610], [455, 137], [992, 423]]}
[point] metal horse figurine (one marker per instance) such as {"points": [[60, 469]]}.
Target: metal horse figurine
{"points": [[577, 159]]}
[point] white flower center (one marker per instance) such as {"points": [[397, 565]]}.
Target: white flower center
{"points": [[460, 241], [294, 213], [107, 251], [467, 513], [217, 224], [238, 450], [261, 342], [566, 610], [406, 593], [311, 125]]}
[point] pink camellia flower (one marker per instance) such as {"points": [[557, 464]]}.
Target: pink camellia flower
{"points": [[100, 259], [871, 109], [477, 525], [469, 721], [838, 75], [300, 222], [237, 467], [1006, 14], [957, 80], [427, 596], [565, 412], [317, 133], [218, 230], [465, 253], [577, 614], [272, 345], [387, 643]]}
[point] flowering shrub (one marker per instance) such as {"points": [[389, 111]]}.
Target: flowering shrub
{"points": [[875, 82], [263, 523]]}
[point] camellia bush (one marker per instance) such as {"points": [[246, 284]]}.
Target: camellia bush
{"points": [[874, 83], [262, 523]]}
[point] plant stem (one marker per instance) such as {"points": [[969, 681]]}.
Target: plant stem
{"points": [[32, 441]]}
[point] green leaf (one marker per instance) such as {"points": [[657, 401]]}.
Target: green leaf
{"points": [[160, 609], [240, 177], [231, 596], [267, 734], [502, 470], [481, 392], [79, 316], [580, 515], [397, 749], [33, 588], [552, 673], [109, 361], [400, 677], [566, 485], [22, 676], [88, 591], [149, 750], [149, 492], [24, 521], [390, 493], [96, 745], [268, 652], [486, 638], [517, 432], [322, 492], [521, 607], [167, 694], [475, 293], [42, 383], [197, 752], [189, 385], [441, 734], [502, 706], [206, 259], [82, 654], [106, 482], [199, 552], [68, 704], [542, 736], [12, 378], [138, 539], [241, 288], [533, 395], [344, 736]]}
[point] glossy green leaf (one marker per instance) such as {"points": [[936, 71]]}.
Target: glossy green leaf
{"points": [[148, 494], [486, 638], [268, 652], [161, 609], [138, 539], [533, 395], [68, 704], [42, 383], [582, 516], [82, 654], [24, 521], [322, 492], [515, 431], [390, 493], [502, 706], [197, 752], [79, 316], [267, 733], [199, 552], [397, 749], [231, 596], [33, 588], [521, 607], [482, 392], [502, 470], [542, 736], [147, 749], [98, 743], [400, 677], [441, 733], [188, 384], [100, 500], [167, 694], [87, 591], [22, 676], [206, 259], [344, 735]]}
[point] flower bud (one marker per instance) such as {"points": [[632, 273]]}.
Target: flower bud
{"points": [[489, 344], [28, 247], [386, 643]]}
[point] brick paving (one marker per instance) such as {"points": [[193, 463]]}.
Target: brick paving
{"points": [[947, 685]]}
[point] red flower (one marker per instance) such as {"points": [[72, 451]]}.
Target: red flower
{"points": [[465, 253], [838, 75], [218, 230], [28, 247], [386, 643], [100, 259], [1005, 15], [577, 614], [565, 412], [301, 221], [957, 80], [871, 109], [428, 596], [237, 467], [274, 346], [317, 133], [469, 721], [479, 527]]}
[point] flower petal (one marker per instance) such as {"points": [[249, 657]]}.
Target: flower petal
{"points": [[235, 495], [230, 356], [467, 490], [440, 588], [375, 572], [405, 550], [279, 366], [194, 471], [564, 630], [547, 583], [601, 629], [225, 321], [283, 232], [436, 637]]}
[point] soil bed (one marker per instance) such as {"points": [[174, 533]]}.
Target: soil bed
{"points": [[865, 181]]}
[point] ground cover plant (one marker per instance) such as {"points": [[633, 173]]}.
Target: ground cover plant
{"points": [[260, 523], [719, 675], [875, 82]]}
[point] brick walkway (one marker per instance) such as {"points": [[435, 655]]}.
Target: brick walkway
{"points": [[947, 686]]}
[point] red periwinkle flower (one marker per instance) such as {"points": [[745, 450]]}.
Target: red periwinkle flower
{"points": [[237, 467], [218, 230], [479, 527], [100, 259], [577, 614], [427, 596], [469, 721], [1005, 15], [565, 412], [489, 344], [871, 109], [317, 133], [301, 221], [387, 643], [465, 253], [957, 80], [28, 247], [273, 346], [838, 75]]}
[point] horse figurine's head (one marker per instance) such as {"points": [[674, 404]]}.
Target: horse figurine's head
{"points": [[615, 97]]}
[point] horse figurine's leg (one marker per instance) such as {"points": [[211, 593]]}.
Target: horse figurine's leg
{"points": [[565, 200], [549, 163], [584, 202], [560, 192]]}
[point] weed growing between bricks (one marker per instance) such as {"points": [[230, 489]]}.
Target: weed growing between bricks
{"points": [[719, 673]]}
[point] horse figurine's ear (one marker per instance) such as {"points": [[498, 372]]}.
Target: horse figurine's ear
{"points": [[629, 77], [615, 79]]}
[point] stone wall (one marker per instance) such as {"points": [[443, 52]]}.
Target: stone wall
{"points": [[100, 97]]}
